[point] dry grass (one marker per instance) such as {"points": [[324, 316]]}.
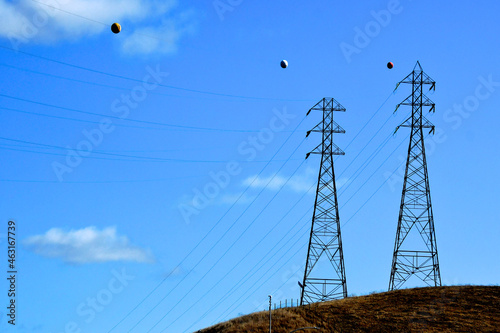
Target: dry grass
{"points": [[441, 309]]}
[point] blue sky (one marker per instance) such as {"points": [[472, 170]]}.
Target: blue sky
{"points": [[108, 140]]}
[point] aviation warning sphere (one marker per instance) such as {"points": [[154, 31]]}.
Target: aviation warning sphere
{"points": [[284, 64], [116, 28], [390, 65]]}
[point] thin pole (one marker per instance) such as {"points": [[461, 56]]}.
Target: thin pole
{"points": [[270, 314]]}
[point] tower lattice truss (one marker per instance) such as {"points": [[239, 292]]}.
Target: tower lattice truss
{"points": [[324, 276], [415, 249]]}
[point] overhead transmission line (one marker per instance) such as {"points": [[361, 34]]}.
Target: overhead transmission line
{"points": [[254, 220], [235, 241], [96, 21], [268, 257], [248, 276], [133, 158], [213, 246], [174, 128], [125, 118], [122, 77], [377, 150], [128, 89], [208, 233], [351, 217]]}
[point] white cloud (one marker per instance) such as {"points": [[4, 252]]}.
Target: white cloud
{"points": [[298, 183], [86, 245], [147, 26], [12, 20], [342, 182], [162, 39], [274, 182]]}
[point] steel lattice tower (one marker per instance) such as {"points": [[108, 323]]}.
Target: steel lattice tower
{"points": [[415, 249], [325, 282]]}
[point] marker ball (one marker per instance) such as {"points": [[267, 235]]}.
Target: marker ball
{"points": [[116, 28], [284, 64], [390, 65]]}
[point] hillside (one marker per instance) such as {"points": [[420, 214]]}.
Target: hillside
{"points": [[441, 309]]}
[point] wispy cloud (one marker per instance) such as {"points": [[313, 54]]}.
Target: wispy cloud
{"points": [[298, 183], [88, 245], [160, 39], [342, 182], [148, 26]]}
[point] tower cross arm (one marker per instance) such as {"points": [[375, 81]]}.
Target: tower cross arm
{"points": [[327, 104], [331, 150], [418, 76], [425, 124], [425, 102], [334, 128]]}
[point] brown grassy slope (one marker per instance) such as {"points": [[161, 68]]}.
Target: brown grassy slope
{"points": [[440, 309]]}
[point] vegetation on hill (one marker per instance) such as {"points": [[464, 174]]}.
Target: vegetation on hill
{"points": [[439, 309]]}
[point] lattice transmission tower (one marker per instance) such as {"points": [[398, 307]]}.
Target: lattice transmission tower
{"points": [[415, 248], [324, 281]]}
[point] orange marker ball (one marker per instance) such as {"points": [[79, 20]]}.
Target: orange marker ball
{"points": [[116, 28]]}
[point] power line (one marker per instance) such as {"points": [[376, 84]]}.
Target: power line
{"points": [[247, 276], [93, 20], [84, 121], [373, 173], [367, 162], [345, 223], [342, 172], [68, 12], [126, 151], [208, 233], [232, 245], [31, 71], [268, 258], [227, 250], [361, 207], [132, 157], [369, 120], [124, 119], [140, 81], [300, 248], [98, 181], [371, 196], [377, 150], [233, 204]]}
